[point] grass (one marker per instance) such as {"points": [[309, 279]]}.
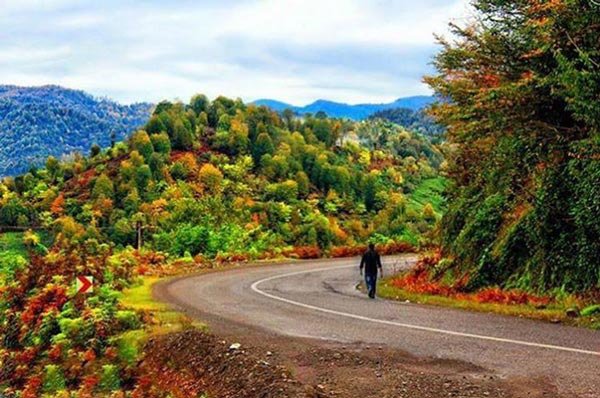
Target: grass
{"points": [[11, 244], [13, 253], [554, 313], [428, 191], [139, 298]]}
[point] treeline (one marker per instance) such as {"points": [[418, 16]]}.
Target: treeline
{"points": [[522, 86]]}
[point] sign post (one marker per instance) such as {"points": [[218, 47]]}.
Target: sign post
{"points": [[84, 284]]}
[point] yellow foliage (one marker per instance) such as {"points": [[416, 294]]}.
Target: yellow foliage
{"points": [[31, 238], [211, 177]]}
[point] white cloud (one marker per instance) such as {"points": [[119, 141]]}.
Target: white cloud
{"points": [[296, 51]]}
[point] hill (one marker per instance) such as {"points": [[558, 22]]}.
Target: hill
{"points": [[36, 122], [416, 121], [342, 110]]}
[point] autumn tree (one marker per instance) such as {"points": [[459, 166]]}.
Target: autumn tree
{"points": [[211, 177], [521, 87]]}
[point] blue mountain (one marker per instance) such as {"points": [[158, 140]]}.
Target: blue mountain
{"points": [[36, 122], [355, 112]]}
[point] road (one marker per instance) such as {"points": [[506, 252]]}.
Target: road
{"points": [[319, 299]]}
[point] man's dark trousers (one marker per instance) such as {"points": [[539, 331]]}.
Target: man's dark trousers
{"points": [[371, 282]]}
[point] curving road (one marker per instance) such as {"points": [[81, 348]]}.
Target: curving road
{"points": [[318, 299]]}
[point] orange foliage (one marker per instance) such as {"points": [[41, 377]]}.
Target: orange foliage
{"points": [[58, 205], [303, 252], [420, 281]]}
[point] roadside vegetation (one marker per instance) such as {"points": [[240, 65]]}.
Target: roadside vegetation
{"points": [[202, 184], [429, 283]]}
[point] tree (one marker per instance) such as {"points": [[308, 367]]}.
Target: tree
{"points": [[370, 189], [161, 143], [182, 136], [140, 141], [163, 106], [199, 103], [103, 188], [95, 150], [53, 167], [262, 146], [303, 183], [155, 125], [211, 177]]}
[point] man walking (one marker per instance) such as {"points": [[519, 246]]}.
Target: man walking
{"points": [[370, 262]]}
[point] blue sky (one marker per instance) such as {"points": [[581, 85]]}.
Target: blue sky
{"points": [[295, 51]]}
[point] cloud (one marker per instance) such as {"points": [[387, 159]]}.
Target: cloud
{"points": [[296, 51]]}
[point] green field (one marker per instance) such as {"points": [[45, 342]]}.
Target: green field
{"points": [[428, 191], [13, 253]]}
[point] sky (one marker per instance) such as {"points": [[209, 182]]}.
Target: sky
{"points": [[352, 51]]}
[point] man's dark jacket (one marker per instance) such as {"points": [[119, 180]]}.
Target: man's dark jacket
{"points": [[370, 261]]}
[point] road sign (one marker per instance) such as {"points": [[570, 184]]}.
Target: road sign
{"points": [[85, 284]]}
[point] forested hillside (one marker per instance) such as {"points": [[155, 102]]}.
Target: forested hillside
{"points": [[522, 87], [200, 184], [223, 178], [417, 121], [36, 122]]}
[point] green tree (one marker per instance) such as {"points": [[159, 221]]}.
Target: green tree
{"points": [[155, 125], [161, 143], [103, 188], [140, 141], [262, 146], [199, 103]]}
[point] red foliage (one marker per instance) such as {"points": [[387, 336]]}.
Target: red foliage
{"points": [[111, 353], [497, 295], [55, 353], [419, 280], [395, 248], [386, 249], [50, 299], [26, 356], [89, 355], [346, 251], [303, 252], [32, 387]]}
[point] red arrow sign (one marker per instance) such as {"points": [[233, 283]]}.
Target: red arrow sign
{"points": [[85, 284]]}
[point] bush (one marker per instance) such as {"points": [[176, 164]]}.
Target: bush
{"points": [[127, 320], [110, 379], [54, 379]]}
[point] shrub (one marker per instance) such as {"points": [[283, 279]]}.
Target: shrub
{"points": [[127, 320], [54, 379], [110, 379]]}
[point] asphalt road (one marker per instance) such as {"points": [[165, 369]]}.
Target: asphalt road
{"points": [[319, 299]]}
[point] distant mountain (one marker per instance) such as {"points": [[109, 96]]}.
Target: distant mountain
{"points": [[356, 112], [277, 106], [36, 122]]}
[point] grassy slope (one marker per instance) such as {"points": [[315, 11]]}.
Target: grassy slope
{"points": [[11, 244], [12, 252], [428, 191], [139, 298]]}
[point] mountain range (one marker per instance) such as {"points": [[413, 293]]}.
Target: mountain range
{"points": [[355, 112], [36, 122]]}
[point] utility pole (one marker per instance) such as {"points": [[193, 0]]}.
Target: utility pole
{"points": [[138, 229]]}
